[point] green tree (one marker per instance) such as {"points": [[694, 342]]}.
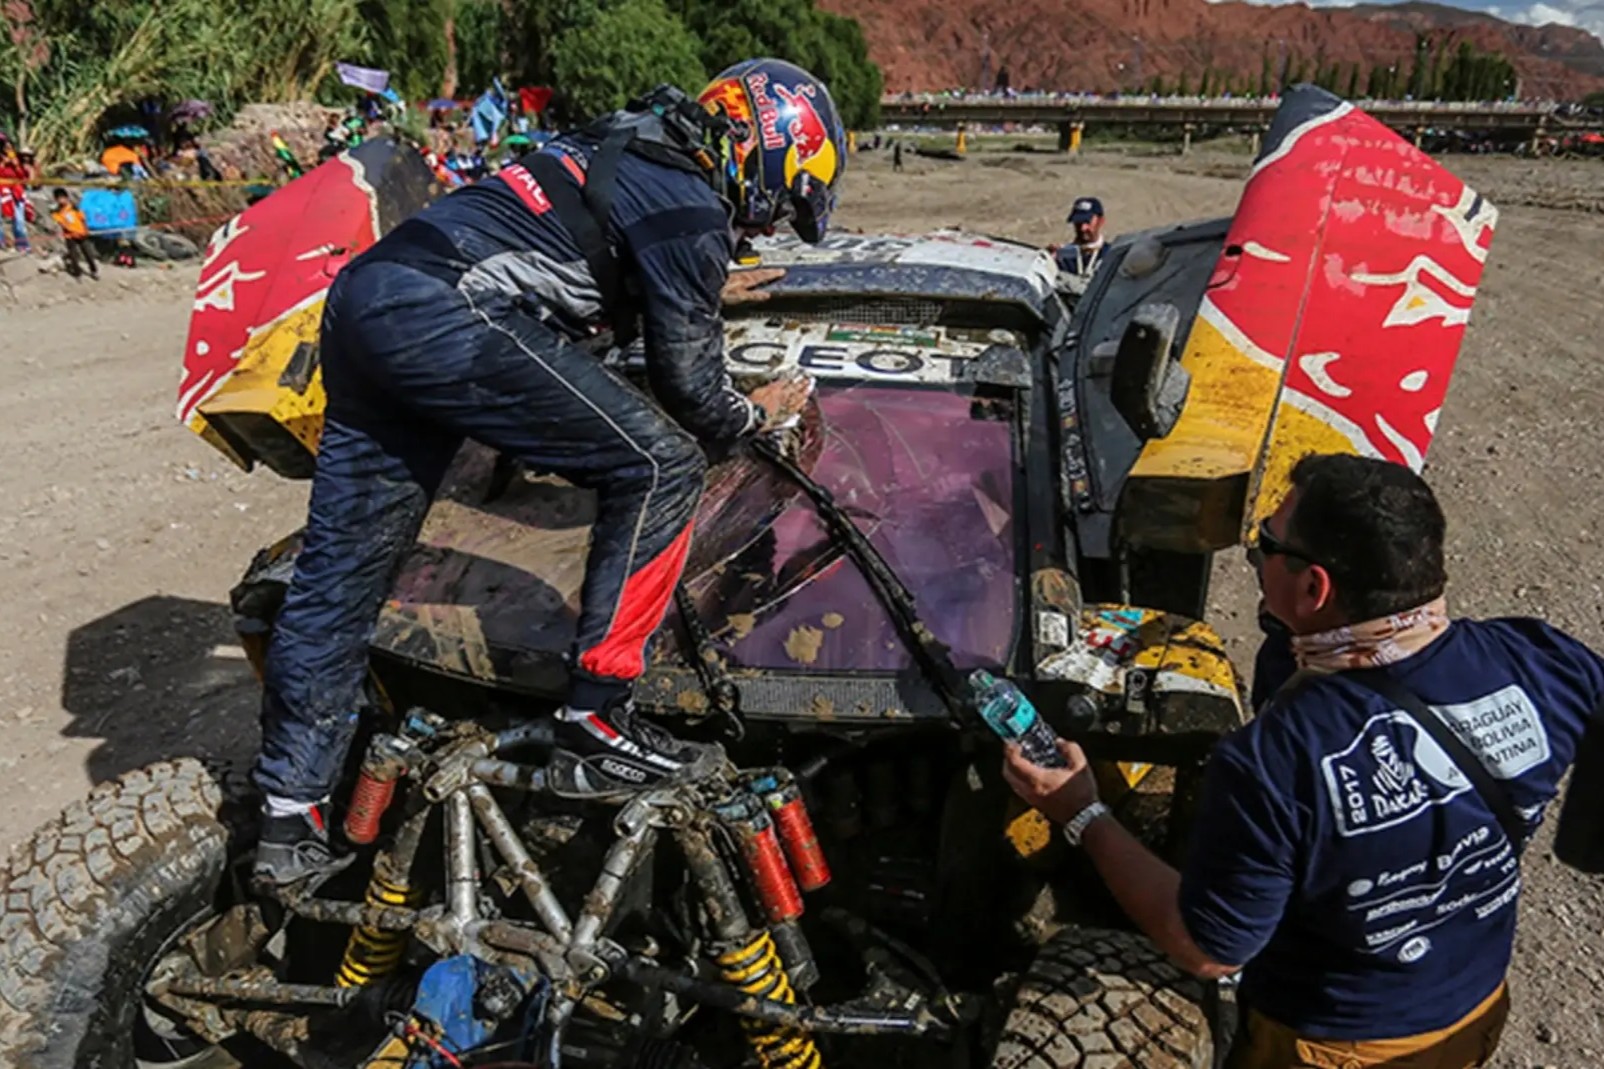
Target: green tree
{"points": [[1472, 74], [1205, 86], [1352, 92], [828, 46], [1434, 72], [415, 29], [1419, 83], [1182, 86], [1266, 73], [1300, 72], [622, 50], [69, 67]]}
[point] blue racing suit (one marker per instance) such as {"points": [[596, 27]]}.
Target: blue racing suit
{"points": [[462, 323]]}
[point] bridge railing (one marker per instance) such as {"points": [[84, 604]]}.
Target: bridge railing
{"points": [[1028, 101]]}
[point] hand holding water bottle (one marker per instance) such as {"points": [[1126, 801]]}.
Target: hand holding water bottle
{"points": [[1010, 714], [1049, 773], [1061, 792]]}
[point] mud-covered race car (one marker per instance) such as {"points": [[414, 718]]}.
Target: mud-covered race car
{"points": [[985, 480]]}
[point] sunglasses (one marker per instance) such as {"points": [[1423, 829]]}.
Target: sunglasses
{"points": [[1268, 545]]}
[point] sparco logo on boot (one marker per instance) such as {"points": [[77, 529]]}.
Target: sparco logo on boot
{"points": [[622, 771]]}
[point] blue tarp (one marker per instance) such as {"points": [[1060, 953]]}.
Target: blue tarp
{"points": [[109, 212]]}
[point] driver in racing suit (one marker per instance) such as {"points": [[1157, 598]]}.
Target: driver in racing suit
{"points": [[463, 322]]}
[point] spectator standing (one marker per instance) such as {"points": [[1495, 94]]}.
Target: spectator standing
{"points": [[74, 235], [16, 171]]}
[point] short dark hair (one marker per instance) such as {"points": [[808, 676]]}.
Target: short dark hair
{"points": [[58, 192], [1375, 526]]}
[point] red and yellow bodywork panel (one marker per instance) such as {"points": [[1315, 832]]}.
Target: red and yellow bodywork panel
{"points": [[1331, 324], [251, 384]]}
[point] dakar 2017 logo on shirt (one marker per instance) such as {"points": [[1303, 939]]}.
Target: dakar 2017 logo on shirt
{"points": [[1392, 771]]}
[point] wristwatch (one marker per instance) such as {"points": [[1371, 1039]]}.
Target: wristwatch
{"points": [[1081, 821]]}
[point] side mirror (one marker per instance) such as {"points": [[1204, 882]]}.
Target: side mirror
{"points": [[1149, 384]]}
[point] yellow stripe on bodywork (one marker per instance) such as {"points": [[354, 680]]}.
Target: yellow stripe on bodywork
{"points": [[1227, 463], [291, 418], [1296, 435], [1187, 491]]}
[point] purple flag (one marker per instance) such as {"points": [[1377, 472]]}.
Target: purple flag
{"points": [[363, 77]]}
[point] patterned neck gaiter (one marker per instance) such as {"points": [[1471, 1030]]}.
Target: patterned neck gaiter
{"points": [[1370, 643]]}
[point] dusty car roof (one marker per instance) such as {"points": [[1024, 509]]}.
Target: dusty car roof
{"points": [[946, 263]]}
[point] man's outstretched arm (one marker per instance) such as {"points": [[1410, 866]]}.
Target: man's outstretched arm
{"points": [[1236, 889]]}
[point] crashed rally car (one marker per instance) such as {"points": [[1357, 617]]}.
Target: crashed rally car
{"points": [[985, 479]]}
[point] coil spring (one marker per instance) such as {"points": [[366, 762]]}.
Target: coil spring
{"points": [[369, 800], [756, 970], [371, 953]]}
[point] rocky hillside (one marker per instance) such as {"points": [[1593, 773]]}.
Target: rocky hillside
{"points": [[1124, 44]]}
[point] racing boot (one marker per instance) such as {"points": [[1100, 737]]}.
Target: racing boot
{"points": [[295, 847], [617, 752]]}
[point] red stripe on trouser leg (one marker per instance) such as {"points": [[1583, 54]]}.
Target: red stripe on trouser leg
{"points": [[621, 654]]}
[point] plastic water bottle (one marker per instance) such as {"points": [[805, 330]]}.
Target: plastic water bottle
{"points": [[1007, 711]]}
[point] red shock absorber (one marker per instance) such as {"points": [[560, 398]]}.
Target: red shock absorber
{"points": [[382, 768], [765, 860], [797, 836]]}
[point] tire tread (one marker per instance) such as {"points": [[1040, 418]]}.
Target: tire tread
{"points": [[92, 877], [1104, 1000]]}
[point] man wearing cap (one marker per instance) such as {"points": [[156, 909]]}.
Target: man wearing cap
{"points": [[1080, 258]]}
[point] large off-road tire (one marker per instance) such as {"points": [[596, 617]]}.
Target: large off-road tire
{"points": [[1099, 999], [90, 901]]}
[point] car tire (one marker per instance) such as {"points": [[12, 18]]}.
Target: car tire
{"points": [[93, 898], [1103, 999]]}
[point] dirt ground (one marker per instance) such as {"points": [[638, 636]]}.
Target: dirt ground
{"points": [[123, 532]]}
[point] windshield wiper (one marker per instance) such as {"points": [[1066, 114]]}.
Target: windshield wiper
{"points": [[931, 653]]}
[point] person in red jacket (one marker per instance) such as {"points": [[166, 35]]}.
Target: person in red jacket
{"points": [[16, 171]]}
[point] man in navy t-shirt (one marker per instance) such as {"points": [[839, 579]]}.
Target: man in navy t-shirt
{"points": [[1343, 862]]}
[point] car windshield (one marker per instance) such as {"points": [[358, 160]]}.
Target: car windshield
{"points": [[929, 476]]}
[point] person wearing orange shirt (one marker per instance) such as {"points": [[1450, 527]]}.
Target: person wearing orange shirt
{"points": [[74, 235], [120, 158]]}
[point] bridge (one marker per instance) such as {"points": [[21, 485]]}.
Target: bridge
{"points": [[1071, 113]]}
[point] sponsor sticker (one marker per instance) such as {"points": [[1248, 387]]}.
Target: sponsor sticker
{"points": [[883, 335]]}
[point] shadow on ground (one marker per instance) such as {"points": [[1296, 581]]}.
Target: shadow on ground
{"points": [[161, 677]]}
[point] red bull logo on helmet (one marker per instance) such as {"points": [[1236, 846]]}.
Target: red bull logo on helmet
{"points": [[807, 130], [793, 123]]}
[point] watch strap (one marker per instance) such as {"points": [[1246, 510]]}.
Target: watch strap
{"points": [[1081, 821]]}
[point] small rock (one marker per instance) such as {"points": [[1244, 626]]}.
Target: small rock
{"points": [[1545, 1034], [24, 713], [102, 545], [127, 674]]}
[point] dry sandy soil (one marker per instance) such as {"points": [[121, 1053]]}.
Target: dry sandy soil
{"points": [[122, 532]]}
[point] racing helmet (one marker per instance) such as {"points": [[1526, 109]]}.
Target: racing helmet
{"points": [[785, 149]]}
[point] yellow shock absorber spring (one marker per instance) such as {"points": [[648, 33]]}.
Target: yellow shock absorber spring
{"points": [[372, 953], [756, 969]]}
